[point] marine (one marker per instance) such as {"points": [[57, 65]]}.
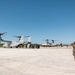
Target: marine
{"points": [[73, 45]]}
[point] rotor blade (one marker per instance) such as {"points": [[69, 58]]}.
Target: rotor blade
{"points": [[26, 36], [5, 40], [3, 33], [17, 36], [47, 40], [20, 36]]}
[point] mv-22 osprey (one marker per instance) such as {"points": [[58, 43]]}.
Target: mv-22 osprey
{"points": [[11, 44]]}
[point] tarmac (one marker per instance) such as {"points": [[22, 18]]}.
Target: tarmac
{"points": [[43, 61]]}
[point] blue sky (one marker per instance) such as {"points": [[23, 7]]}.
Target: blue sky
{"points": [[41, 19]]}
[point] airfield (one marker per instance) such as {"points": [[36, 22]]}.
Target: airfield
{"points": [[43, 61]]}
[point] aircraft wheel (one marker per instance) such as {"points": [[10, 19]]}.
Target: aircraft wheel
{"points": [[10, 47]]}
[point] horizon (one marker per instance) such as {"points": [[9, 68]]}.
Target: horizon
{"points": [[40, 19]]}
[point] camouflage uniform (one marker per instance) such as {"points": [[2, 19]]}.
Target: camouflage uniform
{"points": [[73, 50]]}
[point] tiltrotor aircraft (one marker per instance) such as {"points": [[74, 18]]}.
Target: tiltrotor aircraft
{"points": [[13, 43], [50, 42]]}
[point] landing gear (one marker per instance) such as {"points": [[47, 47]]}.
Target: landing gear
{"points": [[20, 46], [10, 47]]}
